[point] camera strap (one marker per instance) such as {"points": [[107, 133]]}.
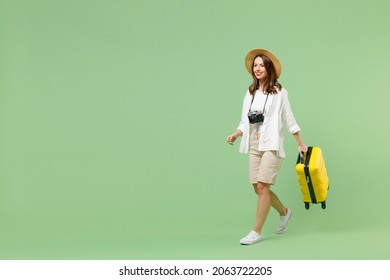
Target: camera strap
{"points": [[253, 97]]}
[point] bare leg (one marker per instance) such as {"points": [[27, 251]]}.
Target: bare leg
{"points": [[263, 205], [275, 202]]}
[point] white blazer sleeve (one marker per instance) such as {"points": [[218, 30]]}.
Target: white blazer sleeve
{"points": [[244, 124], [244, 121], [287, 114]]}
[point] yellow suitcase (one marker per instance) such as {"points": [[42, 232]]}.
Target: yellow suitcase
{"points": [[313, 177]]}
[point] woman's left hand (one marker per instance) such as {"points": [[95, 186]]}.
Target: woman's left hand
{"points": [[302, 149]]}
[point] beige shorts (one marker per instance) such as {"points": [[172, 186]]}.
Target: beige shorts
{"points": [[263, 166]]}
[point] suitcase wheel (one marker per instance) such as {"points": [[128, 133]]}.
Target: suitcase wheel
{"points": [[307, 205], [323, 205]]}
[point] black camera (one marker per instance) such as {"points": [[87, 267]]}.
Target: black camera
{"points": [[255, 117]]}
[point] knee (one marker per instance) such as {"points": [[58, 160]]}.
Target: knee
{"points": [[262, 189]]}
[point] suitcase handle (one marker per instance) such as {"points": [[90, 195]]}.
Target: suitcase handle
{"points": [[301, 159]]}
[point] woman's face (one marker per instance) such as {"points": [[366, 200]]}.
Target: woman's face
{"points": [[259, 69]]}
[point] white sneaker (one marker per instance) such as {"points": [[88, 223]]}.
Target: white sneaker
{"points": [[284, 221], [251, 238]]}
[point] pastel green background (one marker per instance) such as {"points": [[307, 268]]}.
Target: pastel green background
{"points": [[114, 114]]}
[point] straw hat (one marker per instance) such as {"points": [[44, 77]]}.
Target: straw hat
{"points": [[253, 53]]}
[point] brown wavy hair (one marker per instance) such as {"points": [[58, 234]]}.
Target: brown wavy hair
{"points": [[271, 84]]}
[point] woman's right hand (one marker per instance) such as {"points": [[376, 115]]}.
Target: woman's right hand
{"points": [[231, 138]]}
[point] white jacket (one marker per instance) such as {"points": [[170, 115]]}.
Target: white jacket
{"points": [[277, 116]]}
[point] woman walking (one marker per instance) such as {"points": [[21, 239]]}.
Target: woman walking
{"points": [[266, 111]]}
